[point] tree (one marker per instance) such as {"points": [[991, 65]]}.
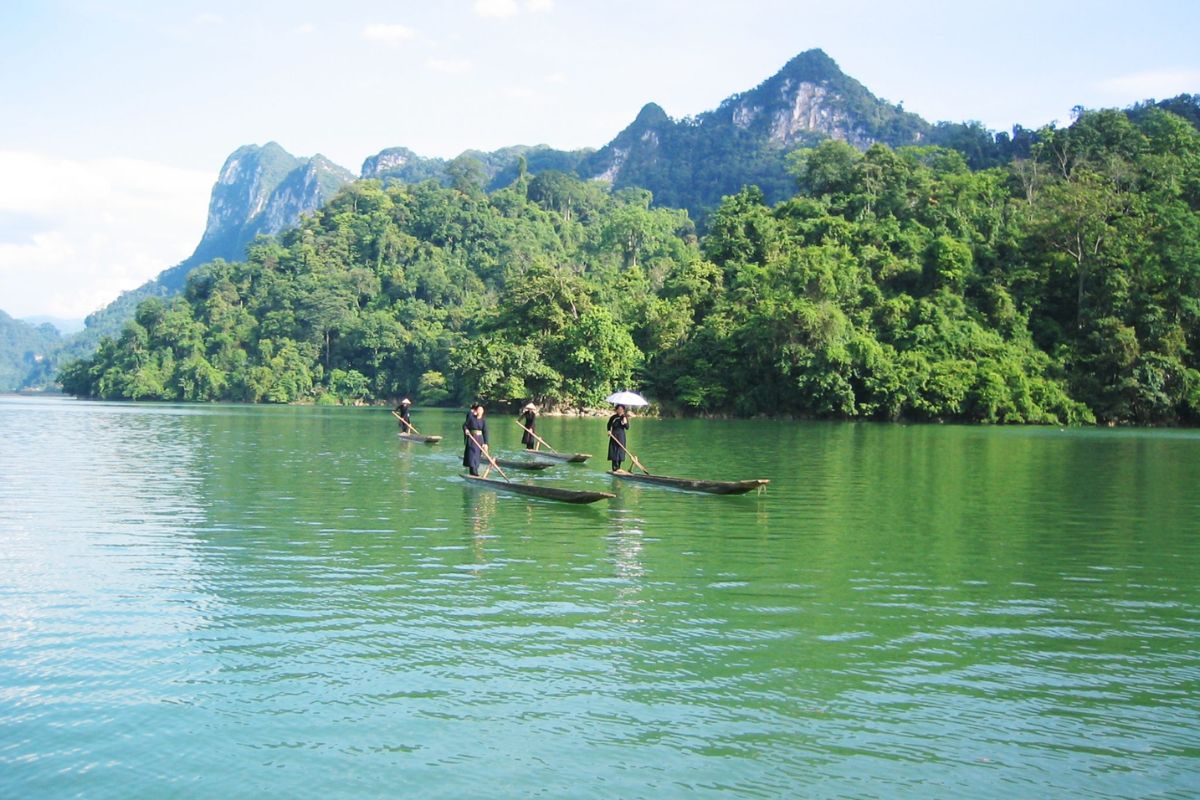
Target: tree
{"points": [[467, 175], [432, 388]]}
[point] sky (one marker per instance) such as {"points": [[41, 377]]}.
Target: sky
{"points": [[116, 115]]}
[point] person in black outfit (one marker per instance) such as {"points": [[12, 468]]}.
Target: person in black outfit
{"points": [[475, 439], [528, 421], [405, 419], [618, 424]]}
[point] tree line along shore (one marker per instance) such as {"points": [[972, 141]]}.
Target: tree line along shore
{"points": [[896, 284]]}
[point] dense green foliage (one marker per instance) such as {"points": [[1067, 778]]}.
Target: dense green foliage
{"points": [[1061, 287], [444, 292], [690, 164]]}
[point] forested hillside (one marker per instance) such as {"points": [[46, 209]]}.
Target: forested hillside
{"points": [[896, 284], [24, 349]]}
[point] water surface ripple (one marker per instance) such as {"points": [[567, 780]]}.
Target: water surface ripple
{"points": [[227, 601]]}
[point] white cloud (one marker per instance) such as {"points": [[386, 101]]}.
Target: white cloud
{"points": [[558, 78], [539, 5], [1157, 84], [305, 28], [391, 34], [496, 9], [91, 229], [208, 19], [519, 92], [450, 66]]}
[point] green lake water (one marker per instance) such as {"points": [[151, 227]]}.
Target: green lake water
{"points": [[233, 601]]}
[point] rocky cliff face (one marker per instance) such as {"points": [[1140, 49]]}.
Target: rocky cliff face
{"points": [[811, 95], [391, 161], [804, 109], [260, 190], [692, 163]]}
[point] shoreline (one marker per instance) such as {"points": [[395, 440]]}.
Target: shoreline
{"points": [[649, 412]]}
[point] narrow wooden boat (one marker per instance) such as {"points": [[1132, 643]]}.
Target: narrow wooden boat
{"points": [[547, 492], [417, 437], [690, 484], [525, 463], [570, 458]]}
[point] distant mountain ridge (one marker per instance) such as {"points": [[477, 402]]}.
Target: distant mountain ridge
{"points": [[259, 191], [689, 163], [692, 163], [500, 167]]}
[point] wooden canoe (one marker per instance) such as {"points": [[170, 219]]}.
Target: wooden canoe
{"points": [[417, 437], [570, 458], [692, 485], [547, 492], [525, 463]]}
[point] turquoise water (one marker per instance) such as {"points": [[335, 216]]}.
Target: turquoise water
{"points": [[231, 601]]}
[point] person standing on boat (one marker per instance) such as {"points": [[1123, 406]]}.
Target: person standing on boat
{"points": [[402, 410], [618, 424], [475, 439], [528, 422]]}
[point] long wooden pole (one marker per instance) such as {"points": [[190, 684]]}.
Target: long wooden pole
{"points": [[406, 422], [488, 456], [631, 455], [534, 435]]}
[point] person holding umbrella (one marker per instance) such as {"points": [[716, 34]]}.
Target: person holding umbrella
{"points": [[475, 439], [528, 423], [618, 424]]}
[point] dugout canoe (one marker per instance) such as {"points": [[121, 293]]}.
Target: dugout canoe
{"points": [[570, 458], [418, 437], [693, 485], [535, 490], [525, 463]]}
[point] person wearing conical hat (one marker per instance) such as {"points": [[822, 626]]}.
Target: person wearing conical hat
{"points": [[528, 420], [402, 412]]}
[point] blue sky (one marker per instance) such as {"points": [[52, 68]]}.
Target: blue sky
{"points": [[117, 115]]}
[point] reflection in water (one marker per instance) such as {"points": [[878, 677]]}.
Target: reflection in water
{"points": [[626, 541], [479, 510]]}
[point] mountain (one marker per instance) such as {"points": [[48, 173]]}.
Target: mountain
{"points": [[499, 167], [692, 163], [689, 163], [259, 191], [894, 284], [26, 353]]}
